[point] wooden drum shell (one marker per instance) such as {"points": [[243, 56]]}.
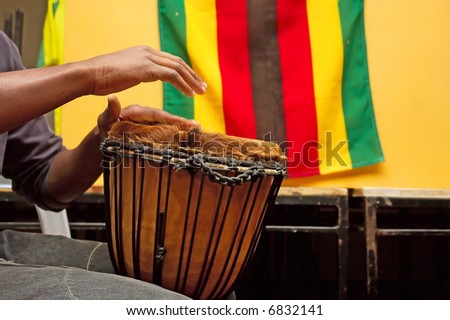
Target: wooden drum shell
{"points": [[180, 229]]}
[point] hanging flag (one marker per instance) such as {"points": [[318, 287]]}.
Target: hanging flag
{"points": [[52, 46], [292, 71]]}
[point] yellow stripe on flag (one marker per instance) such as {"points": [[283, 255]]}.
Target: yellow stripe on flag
{"points": [[53, 33], [201, 38], [327, 59]]}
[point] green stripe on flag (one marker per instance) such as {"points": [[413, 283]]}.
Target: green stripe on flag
{"points": [[359, 117], [172, 26]]}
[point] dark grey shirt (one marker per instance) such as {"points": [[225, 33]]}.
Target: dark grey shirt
{"points": [[27, 151]]}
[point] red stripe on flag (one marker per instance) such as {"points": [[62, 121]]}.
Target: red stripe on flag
{"points": [[298, 88], [232, 38]]}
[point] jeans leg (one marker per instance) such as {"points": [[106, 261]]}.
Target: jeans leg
{"points": [[37, 266], [50, 250], [27, 282]]}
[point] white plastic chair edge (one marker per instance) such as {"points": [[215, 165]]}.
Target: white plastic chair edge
{"points": [[53, 222]]}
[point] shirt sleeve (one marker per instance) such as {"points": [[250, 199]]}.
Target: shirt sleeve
{"points": [[10, 58], [30, 150]]}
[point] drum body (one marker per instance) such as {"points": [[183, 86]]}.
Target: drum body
{"points": [[183, 222]]}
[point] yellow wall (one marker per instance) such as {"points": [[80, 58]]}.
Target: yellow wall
{"points": [[98, 27], [408, 50]]}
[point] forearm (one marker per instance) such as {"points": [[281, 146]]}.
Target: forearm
{"points": [[73, 171], [26, 94]]}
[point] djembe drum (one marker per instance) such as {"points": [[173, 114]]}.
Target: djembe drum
{"points": [[185, 209]]}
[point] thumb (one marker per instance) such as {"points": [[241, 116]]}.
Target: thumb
{"points": [[113, 108], [109, 116]]}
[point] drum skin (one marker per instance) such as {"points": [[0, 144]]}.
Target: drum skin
{"points": [[179, 228]]}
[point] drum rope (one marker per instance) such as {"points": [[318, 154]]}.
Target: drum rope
{"points": [[198, 161]]}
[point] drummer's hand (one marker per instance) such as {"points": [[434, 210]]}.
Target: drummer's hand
{"points": [[120, 70], [139, 114]]}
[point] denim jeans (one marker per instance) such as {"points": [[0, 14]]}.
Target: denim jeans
{"points": [[38, 266]]}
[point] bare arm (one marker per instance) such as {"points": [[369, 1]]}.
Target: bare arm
{"points": [[26, 94]]}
